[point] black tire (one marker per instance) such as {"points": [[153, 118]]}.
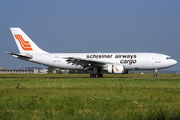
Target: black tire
{"points": [[155, 75], [100, 75], [91, 75]]}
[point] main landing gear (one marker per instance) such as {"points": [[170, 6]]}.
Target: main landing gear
{"points": [[96, 74]]}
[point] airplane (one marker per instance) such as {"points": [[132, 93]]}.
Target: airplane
{"points": [[116, 63]]}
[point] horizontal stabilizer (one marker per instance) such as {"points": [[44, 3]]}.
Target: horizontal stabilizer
{"points": [[21, 56]]}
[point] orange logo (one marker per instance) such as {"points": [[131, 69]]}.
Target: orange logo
{"points": [[116, 69], [24, 44]]}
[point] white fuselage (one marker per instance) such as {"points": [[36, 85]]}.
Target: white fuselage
{"points": [[118, 63], [130, 61]]}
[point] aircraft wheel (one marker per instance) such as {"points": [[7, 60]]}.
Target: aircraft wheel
{"points": [[100, 75], [91, 75], [96, 75], [155, 75]]}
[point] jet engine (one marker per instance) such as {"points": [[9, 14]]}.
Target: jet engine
{"points": [[117, 69]]}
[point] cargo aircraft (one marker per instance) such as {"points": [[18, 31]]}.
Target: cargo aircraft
{"points": [[116, 63]]}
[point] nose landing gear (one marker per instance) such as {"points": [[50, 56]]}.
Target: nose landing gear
{"points": [[156, 71]]}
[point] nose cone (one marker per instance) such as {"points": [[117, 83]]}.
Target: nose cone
{"points": [[170, 63], [174, 62]]}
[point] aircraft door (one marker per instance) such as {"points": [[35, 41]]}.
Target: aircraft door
{"points": [[157, 59]]}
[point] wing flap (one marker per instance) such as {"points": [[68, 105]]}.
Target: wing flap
{"points": [[86, 63]]}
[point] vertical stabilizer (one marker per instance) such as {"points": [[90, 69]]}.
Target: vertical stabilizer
{"points": [[24, 43]]}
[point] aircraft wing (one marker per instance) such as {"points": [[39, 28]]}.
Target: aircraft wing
{"points": [[86, 63]]}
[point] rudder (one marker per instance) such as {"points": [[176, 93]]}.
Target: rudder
{"points": [[24, 43]]}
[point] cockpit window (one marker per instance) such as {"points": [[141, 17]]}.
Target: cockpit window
{"points": [[168, 58]]}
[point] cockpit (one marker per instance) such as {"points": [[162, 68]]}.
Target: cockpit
{"points": [[168, 58]]}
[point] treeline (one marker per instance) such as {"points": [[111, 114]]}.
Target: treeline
{"points": [[53, 70]]}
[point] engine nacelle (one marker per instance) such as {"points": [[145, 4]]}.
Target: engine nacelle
{"points": [[117, 69]]}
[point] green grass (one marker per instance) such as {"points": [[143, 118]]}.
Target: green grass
{"points": [[147, 75], [117, 97]]}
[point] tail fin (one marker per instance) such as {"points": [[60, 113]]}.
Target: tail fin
{"points": [[24, 43]]}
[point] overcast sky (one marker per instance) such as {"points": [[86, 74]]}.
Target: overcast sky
{"points": [[91, 26]]}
